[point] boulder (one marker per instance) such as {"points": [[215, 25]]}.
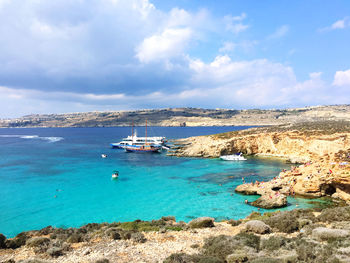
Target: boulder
{"points": [[202, 222], [270, 201], [257, 226], [323, 233]]}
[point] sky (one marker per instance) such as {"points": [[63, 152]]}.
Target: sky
{"points": [[59, 56]]}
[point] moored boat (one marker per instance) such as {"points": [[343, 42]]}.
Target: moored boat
{"points": [[134, 140], [233, 157], [145, 146]]}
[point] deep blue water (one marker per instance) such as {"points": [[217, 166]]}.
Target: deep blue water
{"points": [[56, 176]]}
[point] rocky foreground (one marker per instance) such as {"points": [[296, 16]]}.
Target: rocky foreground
{"points": [[321, 150], [294, 236]]}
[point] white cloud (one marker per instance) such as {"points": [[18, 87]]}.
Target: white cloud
{"points": [[170, 43], [234, 24], [342, 78], [339, 24], [280, 32], [227, 47]]}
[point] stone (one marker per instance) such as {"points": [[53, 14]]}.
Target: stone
{"points": [[202, 222], [323, 233], [270, 201], [257, 226]]}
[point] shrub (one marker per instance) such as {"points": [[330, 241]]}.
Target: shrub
{"points": [[178, 258], [174, 228], [335, 214], [141, 225], [75, 238], [138, 237], [17, 241], [265, 260], [55, 252], [249, 240], [283, 222], [2, 241], [37, 241], [234, 222], [220, 246], [272, 243], [201, 222]]}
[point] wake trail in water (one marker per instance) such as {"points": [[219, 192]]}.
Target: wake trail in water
{"points": [[35, 137]]}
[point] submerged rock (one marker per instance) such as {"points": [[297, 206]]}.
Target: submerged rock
{"points": [[201, 222], [270, 201]]}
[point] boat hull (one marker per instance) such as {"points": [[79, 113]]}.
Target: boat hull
{"points": [[142, 149], [232, 158]]}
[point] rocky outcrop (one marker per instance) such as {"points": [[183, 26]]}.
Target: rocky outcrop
{"points": [[322, 148], [270, 201]]}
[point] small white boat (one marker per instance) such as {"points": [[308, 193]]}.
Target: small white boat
{"points": [[233, 157], [115, 175], [104, 155]]}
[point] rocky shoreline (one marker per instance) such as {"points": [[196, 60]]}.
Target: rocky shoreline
{"points": [[311, 235], [320, 150]]}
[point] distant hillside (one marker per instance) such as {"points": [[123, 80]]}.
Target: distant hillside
{"points": [[183, 117]]}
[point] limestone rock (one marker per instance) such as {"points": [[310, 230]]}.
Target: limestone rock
{"points": [[202, 222], [270, 201], [323, 233], [257, 226]]}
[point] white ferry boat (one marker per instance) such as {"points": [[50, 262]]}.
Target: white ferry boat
{"points": [[233, 157], [133, 141]]}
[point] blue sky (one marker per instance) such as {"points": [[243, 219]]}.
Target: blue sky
{"points": [[71, 55]]}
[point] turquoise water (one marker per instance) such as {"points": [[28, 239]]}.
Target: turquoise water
{"points": [[56, 177]]}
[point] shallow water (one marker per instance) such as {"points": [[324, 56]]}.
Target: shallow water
{"points": [[56, 176]]}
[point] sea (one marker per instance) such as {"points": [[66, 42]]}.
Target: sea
{"points": [[56, 176]]}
